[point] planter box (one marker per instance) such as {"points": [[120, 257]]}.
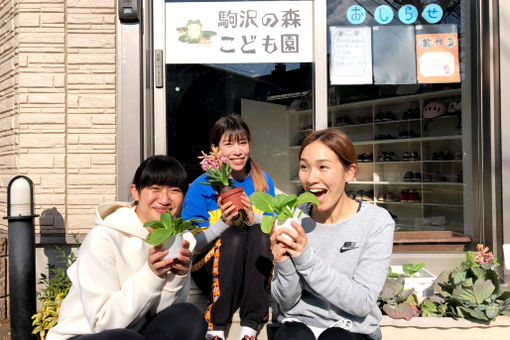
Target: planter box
{"points": [[444, 329], [422, 282]]}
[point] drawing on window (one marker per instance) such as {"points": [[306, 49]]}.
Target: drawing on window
{"points": [[192, 34]]}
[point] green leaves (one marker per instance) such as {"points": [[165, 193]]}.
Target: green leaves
{"points": [[167, 227], [411, 269], [280, 206]]}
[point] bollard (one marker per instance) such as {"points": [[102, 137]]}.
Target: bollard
{"points": [[21, 239]]}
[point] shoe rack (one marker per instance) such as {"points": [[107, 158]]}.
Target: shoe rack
{"points": [[421, 165]]}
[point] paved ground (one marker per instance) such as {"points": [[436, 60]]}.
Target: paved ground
{"points": [[5, 330]]}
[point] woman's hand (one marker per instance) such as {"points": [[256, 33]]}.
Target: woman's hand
{"points": [[247, 211], [297, 241], [181, 263], [178, 265], [227, 212], [277, 248]]}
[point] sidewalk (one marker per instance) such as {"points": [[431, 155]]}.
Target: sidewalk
{"points": [[5, 330]]}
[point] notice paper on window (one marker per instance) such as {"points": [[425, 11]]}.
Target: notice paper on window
{"points": [[394, 55], [351, 55], [437, 54]]}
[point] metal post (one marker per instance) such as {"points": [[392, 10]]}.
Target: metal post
{"points": [[21, 239]]}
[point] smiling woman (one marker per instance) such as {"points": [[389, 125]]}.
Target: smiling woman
{"points": [[140, 294], [235, 262], [330, 271]]}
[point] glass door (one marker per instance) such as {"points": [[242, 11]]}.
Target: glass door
{"points": [[253, 58]]}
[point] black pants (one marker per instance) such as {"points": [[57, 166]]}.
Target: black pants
{"points": [[235, 272], [299, 331], [177, 322]]}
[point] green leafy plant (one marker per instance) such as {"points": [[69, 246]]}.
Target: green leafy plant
{"points": [[56, 285], [281, 206], [217, 170], [409, 270], [167, 227], [397, 302], [471, 290]]}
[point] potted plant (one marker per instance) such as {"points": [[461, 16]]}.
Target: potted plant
{"points": [[217, 170], [396, 301], [471, 290], [281, 209], [415, 276], [168, 232]]}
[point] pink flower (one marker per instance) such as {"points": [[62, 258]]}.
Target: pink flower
{"points": [[483, 255]]}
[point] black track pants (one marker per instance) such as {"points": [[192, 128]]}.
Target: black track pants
{"points": [[237, 275], [177, 322]]}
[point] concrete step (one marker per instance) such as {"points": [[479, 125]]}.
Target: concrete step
{"points": [[197, 298]]}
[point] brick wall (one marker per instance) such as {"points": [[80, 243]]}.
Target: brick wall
{"points": [[9, 113], [66, 107]]}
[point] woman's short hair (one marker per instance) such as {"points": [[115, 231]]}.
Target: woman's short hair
{"points": [[161, 170], [337, 141]]}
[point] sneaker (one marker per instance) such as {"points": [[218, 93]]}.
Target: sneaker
{"points": [[414, 156], [416, 177], [414, 196], [379, 117], [408, 177], [390, 197], [361, 157], [393, 157], [359, 194], [404, 195], [381, 197], [406, 156], [367, 195]]}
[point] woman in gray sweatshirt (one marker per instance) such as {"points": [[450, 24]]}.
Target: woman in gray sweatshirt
{"points": [[328, 276]]}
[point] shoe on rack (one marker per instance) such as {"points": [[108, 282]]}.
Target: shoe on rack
{"points": [[367, 195], [381, 197], [361, 157], [414, 196], [359, 194], [414, 156], [351, 194], [406, 156], [369, 157], [389, 116], [390, 197], [393, 157], [382, 156], [416, 177], [379, 117], [408, 177], [404, 195]]}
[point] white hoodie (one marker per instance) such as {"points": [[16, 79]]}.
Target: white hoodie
{"points": [[112, 284]]}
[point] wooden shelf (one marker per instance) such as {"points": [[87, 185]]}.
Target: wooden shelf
{"points": [[429, 241]]}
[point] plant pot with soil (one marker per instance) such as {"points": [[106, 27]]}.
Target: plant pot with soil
{"points": [[217, 170]]}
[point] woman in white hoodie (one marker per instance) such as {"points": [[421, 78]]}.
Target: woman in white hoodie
{"points": [[121, 286]]}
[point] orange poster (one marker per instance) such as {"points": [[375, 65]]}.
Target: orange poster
{"points": [[437, 58]]}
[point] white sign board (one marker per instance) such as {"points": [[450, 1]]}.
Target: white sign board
{"points": [[239, 32], [351, 55]]}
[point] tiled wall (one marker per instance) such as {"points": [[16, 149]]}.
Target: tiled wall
{"points": [[62, 116]]}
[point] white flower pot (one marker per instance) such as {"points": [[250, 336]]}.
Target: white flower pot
{"points": [[285, 223], [422, 282], [173, 244]]}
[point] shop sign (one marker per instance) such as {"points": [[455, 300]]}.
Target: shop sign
{"points": [[239, 32]]}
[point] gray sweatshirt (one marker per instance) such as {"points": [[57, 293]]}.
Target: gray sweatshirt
{"points": [[337, 279]]}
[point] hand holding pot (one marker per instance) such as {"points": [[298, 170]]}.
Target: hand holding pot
{"points": [[294, 240], [228, 212], [247, 211], [162, 267], [277, 248]]}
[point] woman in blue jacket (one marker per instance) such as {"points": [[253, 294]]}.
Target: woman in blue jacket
{"points": [[235, 260]]}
